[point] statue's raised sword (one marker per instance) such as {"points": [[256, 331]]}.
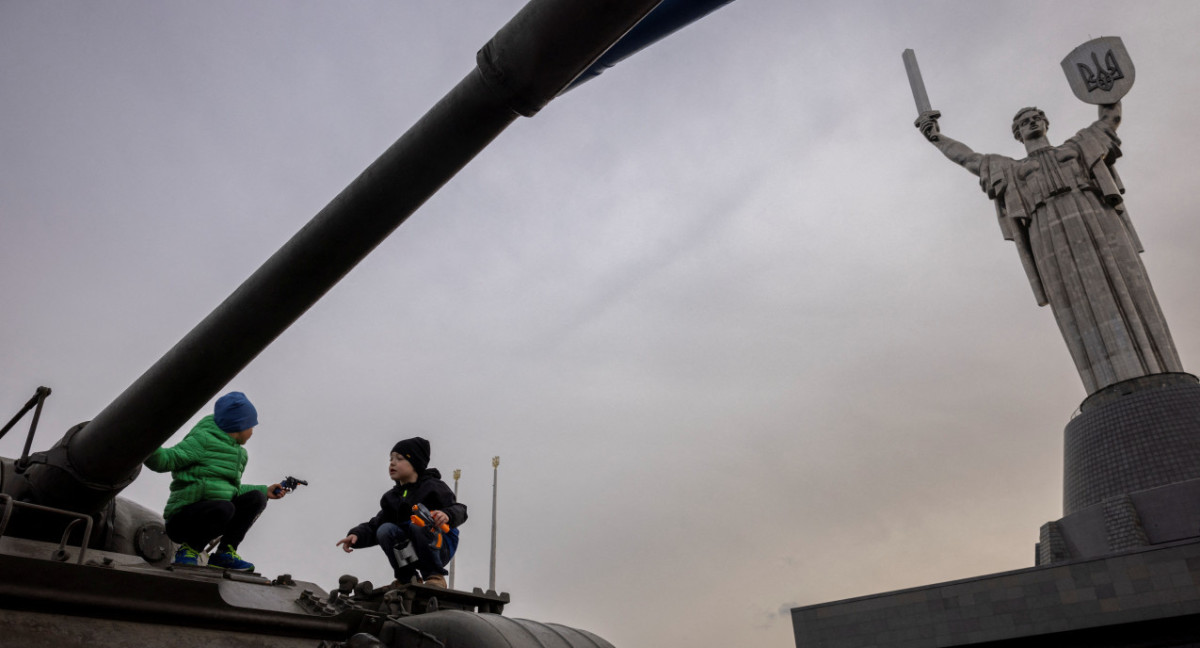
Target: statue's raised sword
{"points": [[918, 86]]}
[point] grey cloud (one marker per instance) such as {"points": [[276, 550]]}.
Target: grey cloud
{"points": [[721, 301]]}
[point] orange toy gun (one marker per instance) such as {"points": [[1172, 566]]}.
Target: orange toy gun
{"points": [[423, 518]]}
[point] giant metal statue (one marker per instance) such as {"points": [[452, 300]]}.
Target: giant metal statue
{"points": [[1131, 455], [1063, 207]]}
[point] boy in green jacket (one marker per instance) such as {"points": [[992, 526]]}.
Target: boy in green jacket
{"points": [[208, 498]]}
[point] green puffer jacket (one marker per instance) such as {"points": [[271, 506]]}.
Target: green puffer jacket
{"points": [[206, 465]]}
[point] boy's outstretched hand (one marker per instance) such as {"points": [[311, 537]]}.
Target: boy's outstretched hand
{"points": [[275, 491], [347, 543]]}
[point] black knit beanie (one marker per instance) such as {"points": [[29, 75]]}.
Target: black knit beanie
{"points": [[416, 451]]}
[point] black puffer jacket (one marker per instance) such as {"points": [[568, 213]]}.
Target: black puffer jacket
{"points": [[396, 506]]}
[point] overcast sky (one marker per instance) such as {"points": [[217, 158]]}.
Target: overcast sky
{"points": [[742, 339]]}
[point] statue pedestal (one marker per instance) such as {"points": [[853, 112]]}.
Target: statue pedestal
{"points": [[1131, 470]]}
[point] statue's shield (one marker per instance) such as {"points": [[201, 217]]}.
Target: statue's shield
{"points": [[1099, 71]]}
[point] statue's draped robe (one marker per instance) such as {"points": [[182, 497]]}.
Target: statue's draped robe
{"points": [[1062, 207]]}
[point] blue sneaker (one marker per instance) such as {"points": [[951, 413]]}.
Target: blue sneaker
{"points": [[186, 556], [227, 558]]}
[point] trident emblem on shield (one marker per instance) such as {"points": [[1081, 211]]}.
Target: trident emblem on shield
{"points": [[1101, 77], [1099, 71]]}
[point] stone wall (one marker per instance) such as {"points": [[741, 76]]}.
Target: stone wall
{"points": [[1149, 597]]}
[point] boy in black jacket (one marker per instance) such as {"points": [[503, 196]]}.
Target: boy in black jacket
{"points": [[392, 528]]}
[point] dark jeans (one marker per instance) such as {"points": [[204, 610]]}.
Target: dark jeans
{"points": [[198, 523], [430, 561]]}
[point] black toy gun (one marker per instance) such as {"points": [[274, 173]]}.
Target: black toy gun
{"points": [[423, 518], [289, 484]]}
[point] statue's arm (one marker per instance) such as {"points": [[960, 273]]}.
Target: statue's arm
{"points": [[954, 150], [1111, 114], [959, 153]]}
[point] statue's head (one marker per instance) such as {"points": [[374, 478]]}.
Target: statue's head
{"points": [[1026, 118]]}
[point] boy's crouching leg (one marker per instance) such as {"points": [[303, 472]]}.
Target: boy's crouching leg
{"points": [[433, 559], [247, 507]]}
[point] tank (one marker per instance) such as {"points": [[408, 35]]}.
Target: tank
{"points": [[80, 565]]}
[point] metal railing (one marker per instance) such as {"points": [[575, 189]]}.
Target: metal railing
{"points": [[59, 554]]}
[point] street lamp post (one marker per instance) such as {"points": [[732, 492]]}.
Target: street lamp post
{"points": [[495, 476]]}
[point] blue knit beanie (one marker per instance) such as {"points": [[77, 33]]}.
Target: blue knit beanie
{"points": [[234, 413]]}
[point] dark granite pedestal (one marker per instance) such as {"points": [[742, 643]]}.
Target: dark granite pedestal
{"points": [[1131, 470]]}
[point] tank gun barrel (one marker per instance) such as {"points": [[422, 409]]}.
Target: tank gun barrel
{"points": [[532, 59]]}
